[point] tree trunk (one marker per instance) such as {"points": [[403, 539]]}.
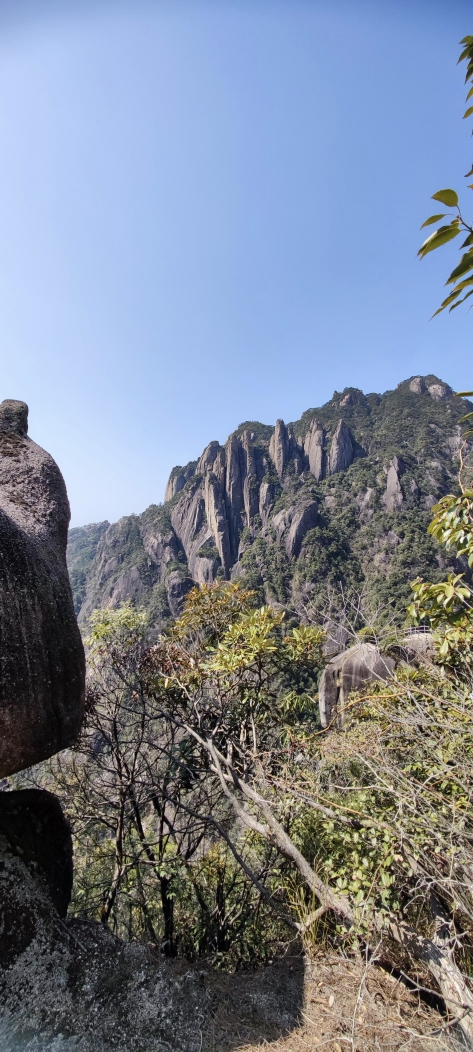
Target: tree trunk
{"points": [[118, 868], [167, 903]]}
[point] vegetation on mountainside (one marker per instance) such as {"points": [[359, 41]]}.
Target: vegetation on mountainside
{"points": [[357, 540], [81, 548]]}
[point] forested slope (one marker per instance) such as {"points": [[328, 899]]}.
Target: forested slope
{"points": [[341, 496]]}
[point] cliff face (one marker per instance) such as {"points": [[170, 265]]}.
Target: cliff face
{"points": [[341, 495]]}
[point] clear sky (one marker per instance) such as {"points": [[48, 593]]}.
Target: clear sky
{"points": [[209, 213]]}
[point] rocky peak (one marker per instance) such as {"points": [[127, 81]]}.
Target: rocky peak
{"points": [[394, 494], [303, 519], [247, 507], [208, 458], [279, 447], [314, 448], [417, 385], [341, 449], [178, 478]]}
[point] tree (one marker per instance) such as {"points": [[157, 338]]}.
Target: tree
{"points": [[375, 819], [149, 860]]}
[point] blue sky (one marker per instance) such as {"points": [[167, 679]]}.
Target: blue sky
{"points": [[210, 212]]}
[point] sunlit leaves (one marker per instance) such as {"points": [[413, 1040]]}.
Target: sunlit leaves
{"points": [[448, 605], [465, 264], [439, 237], [446, 197], [449, 197], [433, 219]]}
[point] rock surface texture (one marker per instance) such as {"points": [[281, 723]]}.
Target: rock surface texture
{"points": [[341, 495], [75, 978], [42, 659], [33, 826]]}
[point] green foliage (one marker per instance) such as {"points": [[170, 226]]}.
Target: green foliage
{"points": [[461, 277], [468, 416], [81, 549], [391, 823], [447, 606], [121, 628], [452, 523]]}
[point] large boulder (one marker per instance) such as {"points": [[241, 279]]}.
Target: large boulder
{"points": [[42, 668], [34, 828], [71, 984], [347, 672], [350, 669]]}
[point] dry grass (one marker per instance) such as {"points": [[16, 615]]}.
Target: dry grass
{"points": [[333, 1004]]}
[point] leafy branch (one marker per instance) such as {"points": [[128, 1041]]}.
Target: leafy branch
{"points": [[462, 276]]}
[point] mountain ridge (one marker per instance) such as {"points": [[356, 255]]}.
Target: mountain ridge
{"points": [[341, 495]]}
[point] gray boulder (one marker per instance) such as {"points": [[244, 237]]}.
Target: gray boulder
{"points": [[363, 663], [33, 827], [347, 672], [42, 667]]}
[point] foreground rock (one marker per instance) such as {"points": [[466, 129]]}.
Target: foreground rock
{"points": [[42, 660], [34, 828], [73, 984]]}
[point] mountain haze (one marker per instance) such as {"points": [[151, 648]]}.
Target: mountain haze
{"points": [[341, 496]]}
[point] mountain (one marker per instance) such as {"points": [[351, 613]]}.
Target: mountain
{"points": [[340, 497]]}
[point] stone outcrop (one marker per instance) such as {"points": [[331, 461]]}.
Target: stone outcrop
{"points": [[267, 495], [417, 385], [178, 478], [439, 392], [74, 977], [342, 451], [314, 448], [350, 669], [279, 447], [207, 460], [161, 546], [303, 519], [42, 659], [217, 519], [178, 584], [394, 495], [33, 827], [190, 525]]}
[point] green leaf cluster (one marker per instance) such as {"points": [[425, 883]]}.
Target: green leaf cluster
{"points": [[462, 276]]}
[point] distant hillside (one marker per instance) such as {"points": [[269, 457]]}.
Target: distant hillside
{"points": [[340, 496]]}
